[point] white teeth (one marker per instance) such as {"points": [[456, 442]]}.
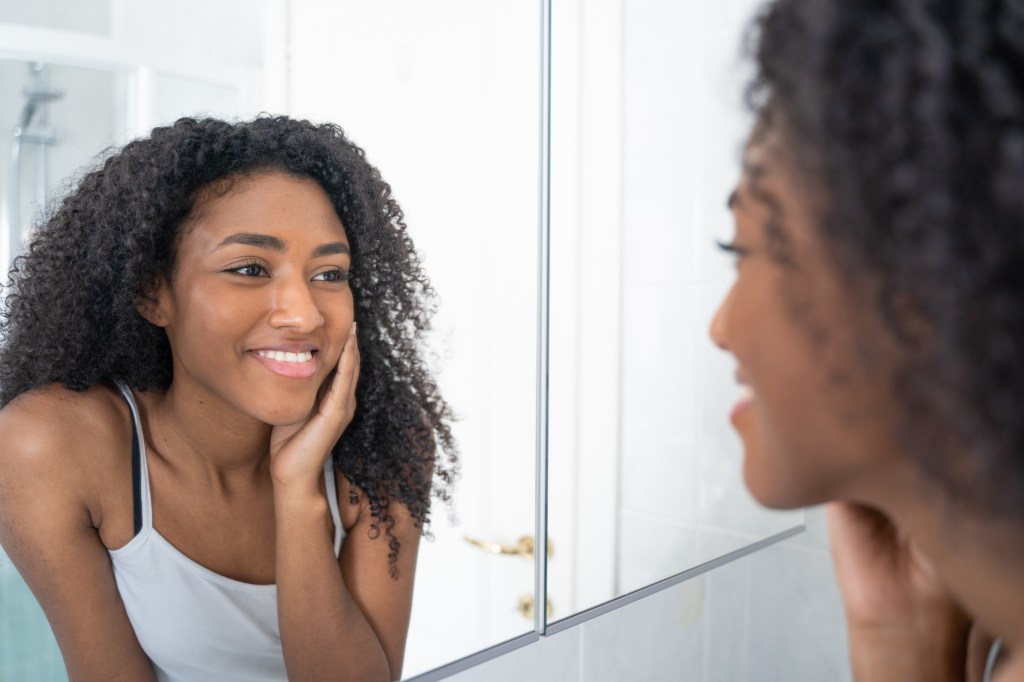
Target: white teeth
{"points": [[279, 356], [746, 393]]}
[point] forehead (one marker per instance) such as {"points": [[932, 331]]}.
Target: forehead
{"points": [[287, 207], [774, 194], [763, 177]]}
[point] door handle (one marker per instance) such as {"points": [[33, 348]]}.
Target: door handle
{"points": [[524, 547], [527, 606]]}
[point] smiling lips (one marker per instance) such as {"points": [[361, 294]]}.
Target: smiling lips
{"points": [[301, 365], [745, 401]]}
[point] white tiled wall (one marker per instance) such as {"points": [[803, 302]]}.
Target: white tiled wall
{"points": [[681, 497], [770, 616]]}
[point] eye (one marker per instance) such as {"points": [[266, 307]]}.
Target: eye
{"points": [[333, 275], [250, 269]]}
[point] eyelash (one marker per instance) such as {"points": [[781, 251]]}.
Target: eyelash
{"points": [[733, 248], [342, 275], [247, 265]]}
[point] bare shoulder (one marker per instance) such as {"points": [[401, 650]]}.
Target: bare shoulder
{"points": [[58, 424], [358, 510], [69, 445], [58, 474], [354, 508], [1012, 669]]}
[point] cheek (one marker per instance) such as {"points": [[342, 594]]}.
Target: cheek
{"points": [[774, 453], [338, 310], [785, 462], [788, 436], [208, 322], [801, 447]]}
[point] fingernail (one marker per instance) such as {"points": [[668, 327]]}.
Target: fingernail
{"points": [[354, 329]]}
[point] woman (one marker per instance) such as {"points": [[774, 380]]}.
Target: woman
{"points": [[209, 328], [878, 311]]}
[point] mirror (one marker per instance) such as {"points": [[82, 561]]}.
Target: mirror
{"points": [[644, 468], [445, 99]]}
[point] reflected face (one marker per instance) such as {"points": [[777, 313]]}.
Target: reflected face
{"points": [[259, 306], [808, 415]]}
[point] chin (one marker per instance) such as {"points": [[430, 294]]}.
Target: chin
{"points": [[774, 492], [285, 412]]}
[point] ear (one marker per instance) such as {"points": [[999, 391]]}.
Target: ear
{"points": [[153, 303]]}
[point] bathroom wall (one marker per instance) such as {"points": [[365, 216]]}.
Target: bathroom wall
{"points": [[86, 16], [772, 615]]}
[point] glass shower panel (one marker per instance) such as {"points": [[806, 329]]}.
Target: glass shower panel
{"points": [[28, 650], [58, 120]]}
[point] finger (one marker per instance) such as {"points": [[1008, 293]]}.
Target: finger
{"points": [[340, 385], [352, 348], [356, 359], [849, 518], [354, 380], [864, 542], [349, 363]]}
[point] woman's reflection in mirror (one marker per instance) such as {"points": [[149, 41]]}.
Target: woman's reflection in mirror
{"points": [[877, 316], [220, 437]]}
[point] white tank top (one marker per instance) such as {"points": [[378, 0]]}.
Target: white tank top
{"points": [[195, 624]]}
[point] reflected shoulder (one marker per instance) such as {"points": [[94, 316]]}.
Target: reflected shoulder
{"points": [[53, 425], [354, 514]]}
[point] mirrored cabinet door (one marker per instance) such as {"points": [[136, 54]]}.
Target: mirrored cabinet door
{"points": [[645, 471], [445, 99]]}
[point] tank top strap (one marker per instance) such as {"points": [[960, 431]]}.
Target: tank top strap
{"points": [[141, 500], [331, 485], [994, 653]]}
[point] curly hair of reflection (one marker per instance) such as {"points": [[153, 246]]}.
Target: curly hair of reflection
{"points": [[70, 313], [907, 117]]}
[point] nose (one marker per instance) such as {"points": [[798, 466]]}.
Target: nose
{"points": [[720, 322], [294, 307]]}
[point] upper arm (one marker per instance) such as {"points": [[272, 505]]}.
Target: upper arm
{"points": [[386, 602], [47, 531]]}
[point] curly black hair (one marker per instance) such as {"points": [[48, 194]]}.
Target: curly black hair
{"points": [[908, 117], [70, 314]]}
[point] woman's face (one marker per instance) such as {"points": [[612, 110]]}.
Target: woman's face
{"points": [[812, 420], [259, 305]]}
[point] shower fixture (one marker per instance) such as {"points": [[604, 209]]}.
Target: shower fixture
{"points": [[33, 128]]}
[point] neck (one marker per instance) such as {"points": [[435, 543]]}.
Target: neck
{"points": [[982, 563], [204, 439], [980, 560]]}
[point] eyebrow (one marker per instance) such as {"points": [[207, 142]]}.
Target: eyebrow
{"points": [[266, 241], [331, 249], [262, 241]]}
